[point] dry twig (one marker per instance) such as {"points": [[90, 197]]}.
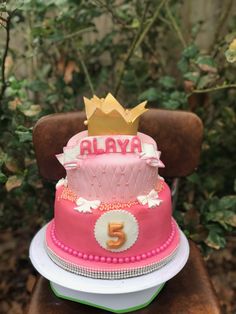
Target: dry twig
{"points": [[5, 53], [138, 39], [213, 89]]}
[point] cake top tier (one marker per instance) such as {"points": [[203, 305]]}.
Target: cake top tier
{"points": [[106, 116]]}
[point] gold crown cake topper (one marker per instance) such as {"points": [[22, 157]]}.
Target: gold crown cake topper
{"points": [[107, 116]]}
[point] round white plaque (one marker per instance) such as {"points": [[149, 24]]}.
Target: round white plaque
{"points": [[118, 227]]}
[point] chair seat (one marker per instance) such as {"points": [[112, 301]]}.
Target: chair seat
{"points": [[190, 292]]}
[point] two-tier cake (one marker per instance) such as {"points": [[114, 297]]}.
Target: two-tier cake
{"points": [[113, 212]]}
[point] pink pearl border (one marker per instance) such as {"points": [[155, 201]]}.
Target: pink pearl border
{"points": [[113, 260]]}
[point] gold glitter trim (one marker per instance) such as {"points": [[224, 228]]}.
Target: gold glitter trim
{"points": [[68, 194]]}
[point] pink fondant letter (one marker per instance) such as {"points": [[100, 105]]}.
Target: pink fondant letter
{"points": [[110, 145], [96, 149], [123, 145], [136, 145], [85, 147]]}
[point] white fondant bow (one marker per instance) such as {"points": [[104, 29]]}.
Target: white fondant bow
{"points": [[74, 164], [151, 155], [85, 206], [70, 158], [61, 182], [155, 162], [151, 199], [161, 178]]}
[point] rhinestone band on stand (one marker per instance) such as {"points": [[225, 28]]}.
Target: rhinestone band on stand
{"points": [[107, 274]]}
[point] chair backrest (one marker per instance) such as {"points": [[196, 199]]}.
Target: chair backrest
{"points": [[178, 135]]}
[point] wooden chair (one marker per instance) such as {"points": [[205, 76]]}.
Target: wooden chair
{"points": [[178, 135]]}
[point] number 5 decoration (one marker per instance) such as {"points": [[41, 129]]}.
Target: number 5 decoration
{"points": [[116, 230]]}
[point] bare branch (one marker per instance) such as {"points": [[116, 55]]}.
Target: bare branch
{"points": [[138, 39], [110, 10], [5, 53], [4, 26], [222, 20], [175, 25], [213, 89], [3, 19], [86, 73]]}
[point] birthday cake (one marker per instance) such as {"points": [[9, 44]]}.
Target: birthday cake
{"points": [[113, 212]]}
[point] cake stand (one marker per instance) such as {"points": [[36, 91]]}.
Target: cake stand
{"points": [[118, 296]]}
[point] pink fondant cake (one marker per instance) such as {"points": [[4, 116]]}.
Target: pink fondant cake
{"points": [[113, 212]]}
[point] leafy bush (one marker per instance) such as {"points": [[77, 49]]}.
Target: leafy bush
{"points": [[54, 52]]}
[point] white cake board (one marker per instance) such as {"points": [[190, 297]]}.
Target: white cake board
{"points": [[119, 296]]}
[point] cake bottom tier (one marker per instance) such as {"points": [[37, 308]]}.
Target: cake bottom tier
{"points": [[101, 267]]}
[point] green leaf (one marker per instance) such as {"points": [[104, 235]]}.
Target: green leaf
{"points": [[167, 81], [224, 218], [207, 80], [150, 94], [3, 157], [211, 183], [231, 220], [13, 182], [3, 178], [215, 240], [177, 95], [228, 202], [13, 5], [230, 55], [33, 110], [123, 11], [183, 65], [135, 23], [3, 6], [39, 85], [24, 134], [194, 178], [60, 2], [206, 64], [192, 76], [213, 204], [190, 52], [171, 104]]}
